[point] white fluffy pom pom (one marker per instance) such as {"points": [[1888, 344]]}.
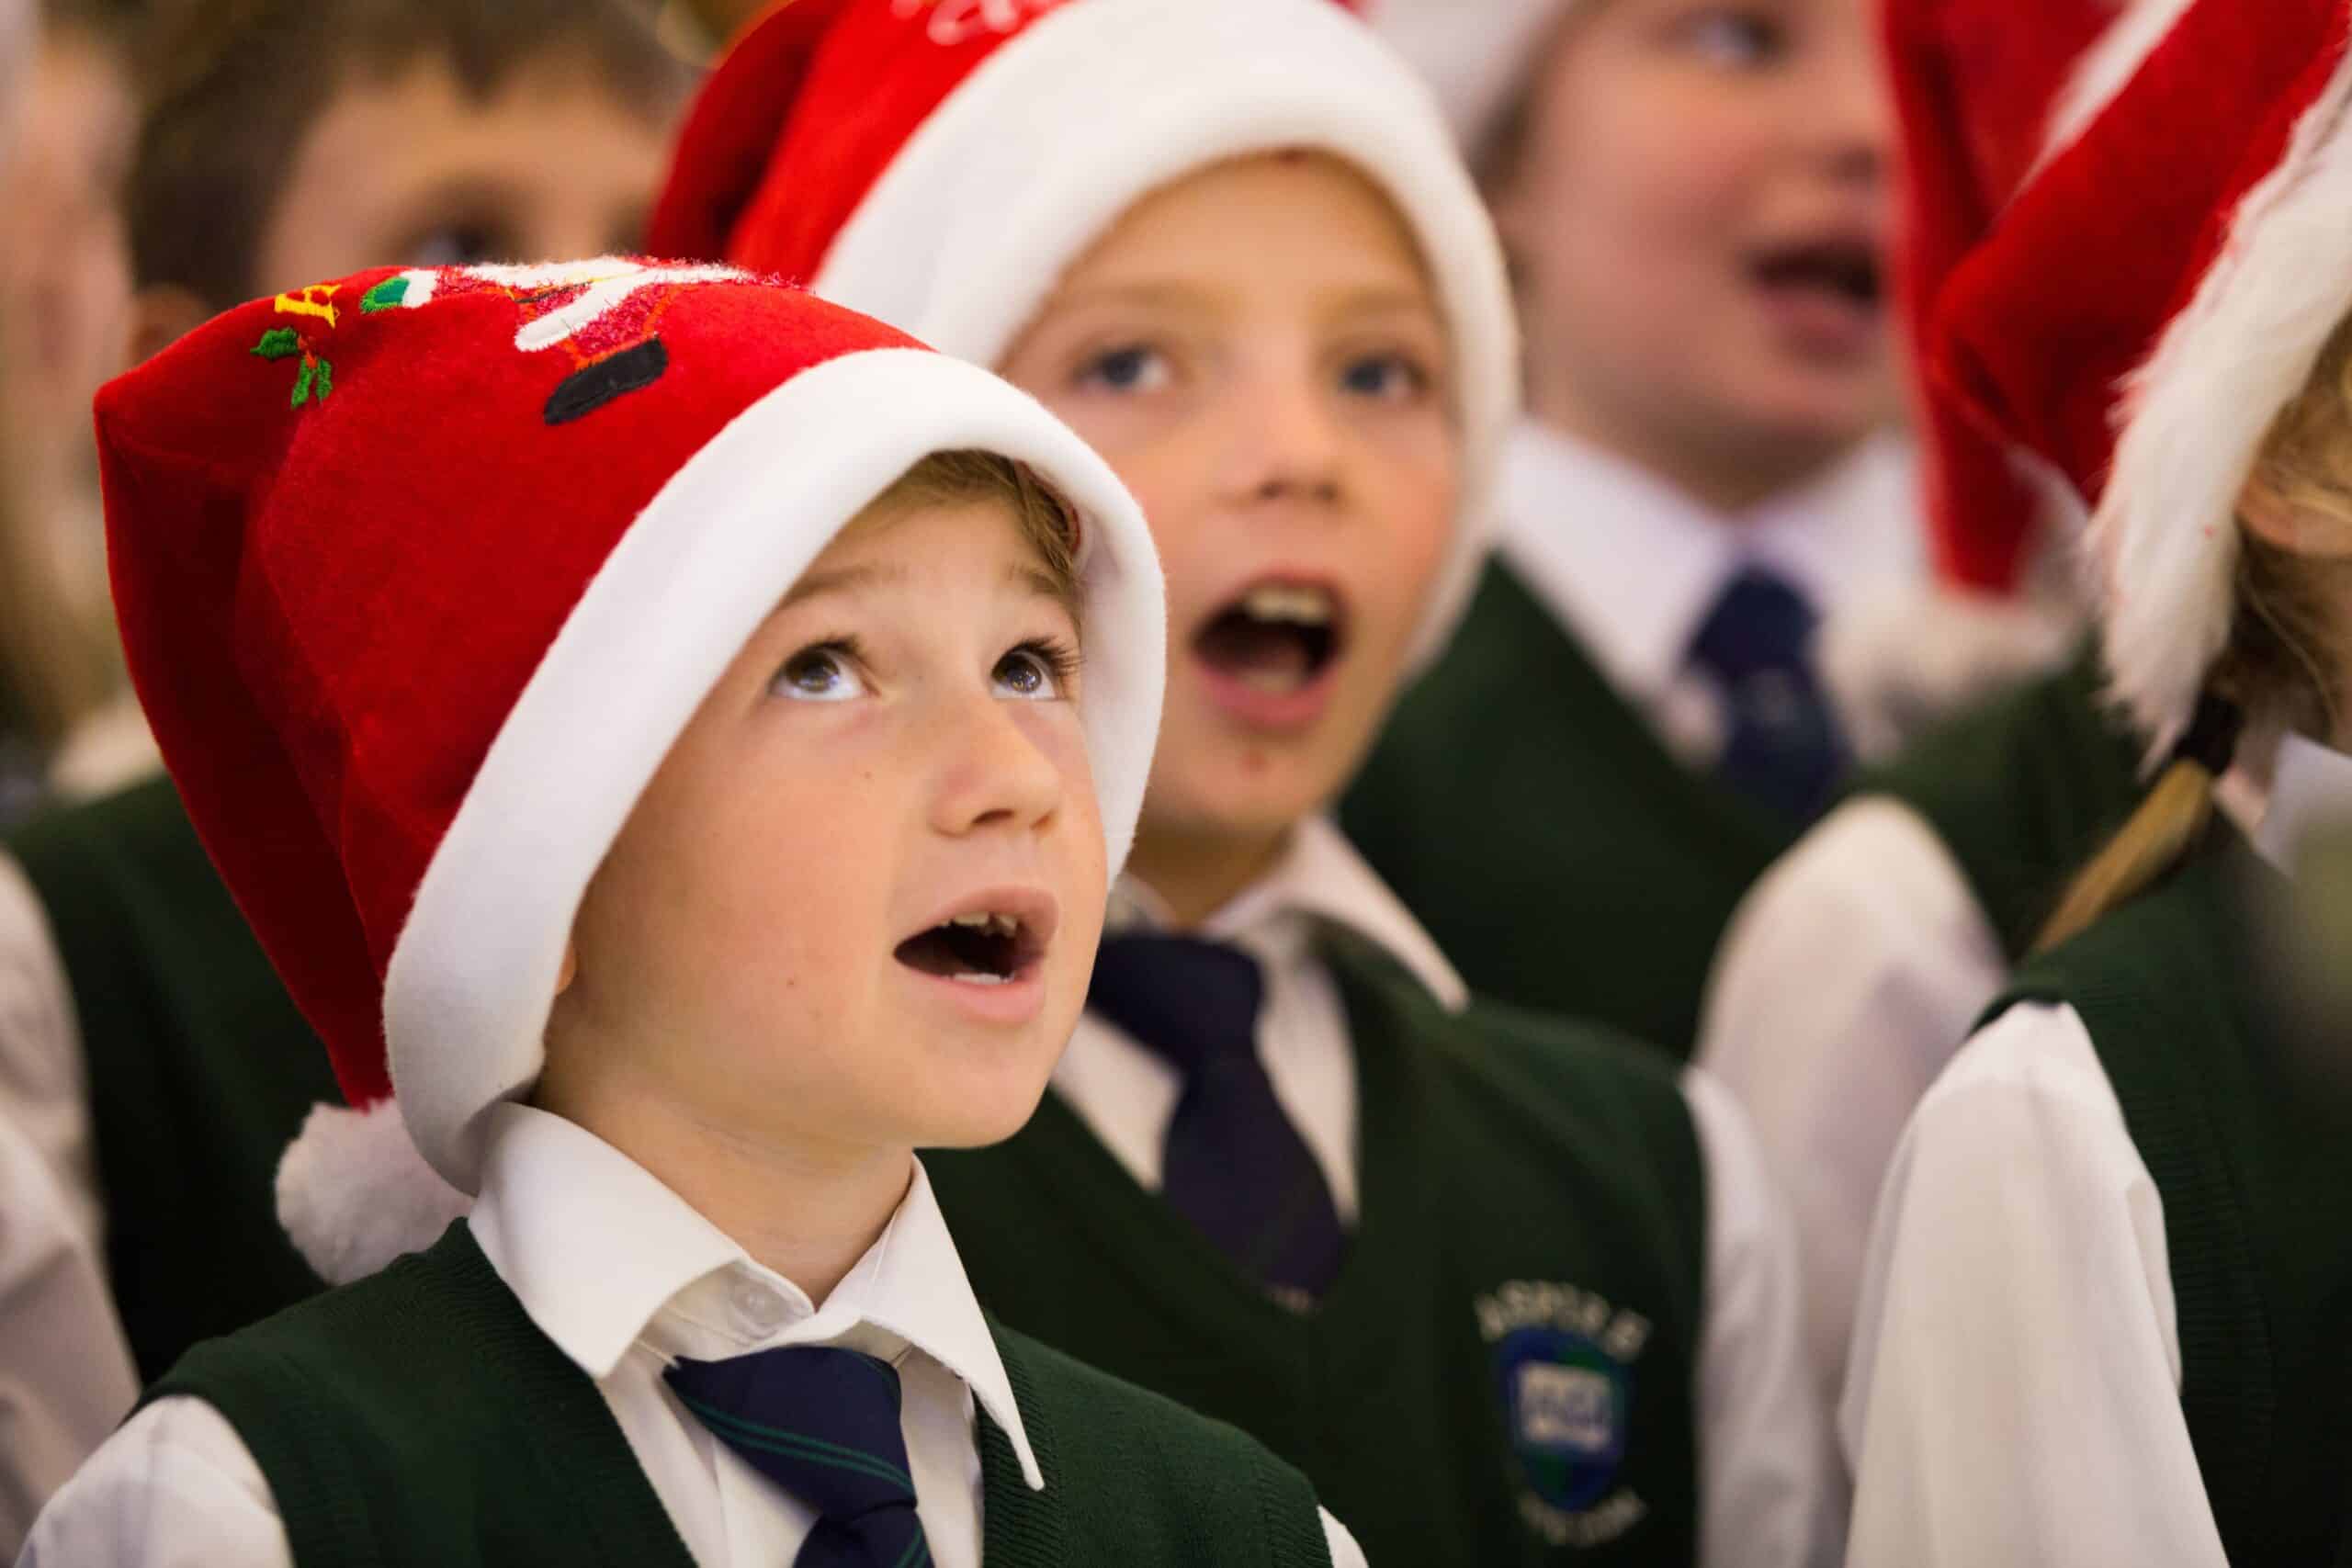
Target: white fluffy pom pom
{"points": [[353, 1194]]}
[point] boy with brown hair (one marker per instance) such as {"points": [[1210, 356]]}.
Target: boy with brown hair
{"points": [[146, 1048], [676, 792]]}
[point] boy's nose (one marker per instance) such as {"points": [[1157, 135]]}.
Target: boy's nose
{"points": [[1286, 445], [1852, 107], [996, 776]]}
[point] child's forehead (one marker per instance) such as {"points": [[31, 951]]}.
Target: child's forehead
{"points": [[933, 552], [1174, 245]]}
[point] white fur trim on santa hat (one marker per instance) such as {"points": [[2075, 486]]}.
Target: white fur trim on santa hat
{"points": [[474, 975], [1476, 55], [2105, 70], [353, 1194], [2193, 417], [1037, 154]]}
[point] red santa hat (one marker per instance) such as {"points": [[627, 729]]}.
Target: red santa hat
{"points": [[420, 572], [1976, 95], [2157, 295], [939, 165]]}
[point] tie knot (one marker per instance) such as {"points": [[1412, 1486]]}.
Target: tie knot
{"points": [[1759, 625], [820, 1422], [1189, 1001]]}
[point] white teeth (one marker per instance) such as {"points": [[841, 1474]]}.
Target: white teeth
{"points": [[982, 979], [984, 920], [1298, 607]]}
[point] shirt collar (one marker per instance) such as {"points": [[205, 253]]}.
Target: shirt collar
{"points": [[2310, 784], [1633, 566], [1320, 876], [596, 1249]]}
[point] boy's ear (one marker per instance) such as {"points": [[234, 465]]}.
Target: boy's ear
{"points": [[571, 970], [2291, 525], [162, 314]]}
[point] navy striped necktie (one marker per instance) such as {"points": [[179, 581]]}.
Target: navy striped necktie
{"points": [[822, 1424], [1234, 1163]]}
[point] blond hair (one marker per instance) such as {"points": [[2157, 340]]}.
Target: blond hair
{"points": [[2279, 668], [1049, 524]]}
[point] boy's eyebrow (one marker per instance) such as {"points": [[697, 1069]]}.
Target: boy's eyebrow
{"points": [[1385, 300], [841, 579], [1042, 583], [1163, 293]]}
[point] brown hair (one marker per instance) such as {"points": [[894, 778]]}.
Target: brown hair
{"points": [[2279, 669], [232, 86], [1049, 524]]}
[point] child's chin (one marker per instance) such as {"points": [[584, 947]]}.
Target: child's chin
{"points": [[976, 1120]]}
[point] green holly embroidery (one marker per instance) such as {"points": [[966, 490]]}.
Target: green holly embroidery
{"points": [[317, 376], [385, 295]]}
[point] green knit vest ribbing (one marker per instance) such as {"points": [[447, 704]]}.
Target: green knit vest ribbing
{"points": [[419, 1417], [1533, 822], [1527, 1191], [2251, 1154], [2023, 790], [199, 1068]]}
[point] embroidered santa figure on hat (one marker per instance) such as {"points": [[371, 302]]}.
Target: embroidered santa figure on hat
{"points": [[570, 493]]}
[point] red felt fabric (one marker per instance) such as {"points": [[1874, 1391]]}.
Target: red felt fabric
{"points": [[1973, 91], [2038, 329], [329, 610]]}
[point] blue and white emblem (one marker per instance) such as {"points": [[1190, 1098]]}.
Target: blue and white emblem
{"points": [[1564, 1371], [1568, 1402]]}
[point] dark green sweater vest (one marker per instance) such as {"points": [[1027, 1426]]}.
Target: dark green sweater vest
{"points": [[2250, 1152], [1559, 854], [200, 1070], [420, 1417], [2022, 790], [1502, 1373]]}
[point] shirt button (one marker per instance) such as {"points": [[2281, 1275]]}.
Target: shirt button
{"points": [[761, 1308]]}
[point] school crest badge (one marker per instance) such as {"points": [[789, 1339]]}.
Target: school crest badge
{"points": [[1564, 1362]]}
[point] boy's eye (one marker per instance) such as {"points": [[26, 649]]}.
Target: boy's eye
{"points": [[819, 674], [1392, 377], [1131, 367], [1036, 671], [1734, 40]]}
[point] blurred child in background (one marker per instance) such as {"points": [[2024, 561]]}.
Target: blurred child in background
{"points": [[66, 1378], [1861, 960], [64, 306], [1633, 721], [146, 1048]]}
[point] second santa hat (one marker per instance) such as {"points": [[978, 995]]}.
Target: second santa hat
{"points": [[2157, 295]]}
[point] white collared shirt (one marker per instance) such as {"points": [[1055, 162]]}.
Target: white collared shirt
{"points": [[1632, 566], [622, 1275], [1769, 1497], [2014, 1391]]}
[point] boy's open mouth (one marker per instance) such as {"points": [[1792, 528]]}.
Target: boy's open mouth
{"points": [[1279, 636], [1846, 271], [985, 947]]}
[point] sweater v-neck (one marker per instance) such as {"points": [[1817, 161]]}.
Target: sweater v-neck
{"points": [[1130, 1219]]}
